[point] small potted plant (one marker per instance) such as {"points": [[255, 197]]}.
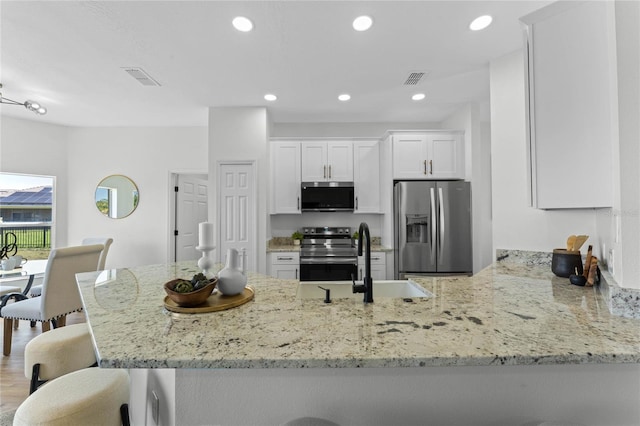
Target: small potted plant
{"points": [[296, 236], [355, 238]]}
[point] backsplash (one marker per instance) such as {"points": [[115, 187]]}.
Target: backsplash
{"points": [[524, 257], [623, 302], [288, 241], [284, 225]]}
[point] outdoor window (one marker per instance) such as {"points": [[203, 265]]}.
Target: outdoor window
{"points": [[26, 212]]}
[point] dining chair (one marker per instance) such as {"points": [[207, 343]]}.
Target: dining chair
{"points": [[60, 295], [36, 290], [106, 242]]}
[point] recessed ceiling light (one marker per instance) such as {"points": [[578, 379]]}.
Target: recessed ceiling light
{"points": [[243, 24], [270, 97], [480, 23], [362, 23], [418, 96], [344, 97]]}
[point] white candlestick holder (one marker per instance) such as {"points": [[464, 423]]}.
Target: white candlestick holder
{"points": [[205, 262]]}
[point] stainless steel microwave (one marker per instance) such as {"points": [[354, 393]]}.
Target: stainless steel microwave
{"points": [[327, 197]]}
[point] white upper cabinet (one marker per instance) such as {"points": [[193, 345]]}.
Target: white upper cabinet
{"points": [[429, 155], [285, 177], [327, 161], [571, 88], [366, 176]]}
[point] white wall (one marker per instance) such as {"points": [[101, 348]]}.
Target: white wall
{"points": [[241, 134], [621, 225], [145, 155], [515, 224], [346, 130], [38, 148], [143, 384], [478, 172], [590, 395]]}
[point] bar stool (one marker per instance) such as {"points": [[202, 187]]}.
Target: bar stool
{"points": [[58, 352], [91, 396]]}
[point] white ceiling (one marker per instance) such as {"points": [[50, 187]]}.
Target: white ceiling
{"points": [[70, 55]]}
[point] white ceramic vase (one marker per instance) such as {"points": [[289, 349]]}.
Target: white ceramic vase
{"points": [[232, 278]]}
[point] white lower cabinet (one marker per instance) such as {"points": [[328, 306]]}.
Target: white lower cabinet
{"points": [[378, 266], [285, 265]]}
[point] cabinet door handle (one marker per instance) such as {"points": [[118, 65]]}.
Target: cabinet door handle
{"points": [[431, 165], [298, 203], [329, 171], [356, 203], [425, 167], [325, 172], [285, 258], [296, 273]]}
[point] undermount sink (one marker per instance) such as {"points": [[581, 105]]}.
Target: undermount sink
{"points": [[381, 289]]}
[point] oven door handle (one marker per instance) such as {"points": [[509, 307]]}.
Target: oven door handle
{"points": [[328, 260]]}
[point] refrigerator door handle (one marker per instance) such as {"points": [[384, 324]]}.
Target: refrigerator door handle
{"points": [[433, 224], [441, 217]]}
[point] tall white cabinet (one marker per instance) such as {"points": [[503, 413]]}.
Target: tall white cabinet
{"points": [[285, 177], [571, 75], [366, 176]]}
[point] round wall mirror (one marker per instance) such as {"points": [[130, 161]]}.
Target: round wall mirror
{"points": [[116, 196]]}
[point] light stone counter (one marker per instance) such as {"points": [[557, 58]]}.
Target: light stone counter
{"points": [[508, 314]]}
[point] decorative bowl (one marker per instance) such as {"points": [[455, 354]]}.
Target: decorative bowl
{"points": [[190, 299]]}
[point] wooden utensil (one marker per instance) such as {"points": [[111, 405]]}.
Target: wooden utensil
{"points": [[580, 239], [592, 271], [570, 241], [587, 263]]}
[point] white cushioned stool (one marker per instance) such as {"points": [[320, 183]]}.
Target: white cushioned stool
{"points": [[58, 352], [91, 396], [5, 289]]}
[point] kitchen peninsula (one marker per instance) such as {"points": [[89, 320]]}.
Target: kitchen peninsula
{"points": [[510, 314]]}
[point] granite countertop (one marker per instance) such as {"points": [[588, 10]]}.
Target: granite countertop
{"points": [[275, 248], [507, 314]]}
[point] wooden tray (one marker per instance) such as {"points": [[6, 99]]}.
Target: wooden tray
{"points": [[215, 302]]}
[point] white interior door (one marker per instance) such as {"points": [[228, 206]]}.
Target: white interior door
{"points": [[237, 210], [191, 209]]}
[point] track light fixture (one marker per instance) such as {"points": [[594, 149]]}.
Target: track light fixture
{"points": [[30, 105]]}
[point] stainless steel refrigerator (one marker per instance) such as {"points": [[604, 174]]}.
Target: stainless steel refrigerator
{"points": [[432, 227]]}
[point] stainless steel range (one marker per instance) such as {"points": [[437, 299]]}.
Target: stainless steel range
{"points": [[327, 254]]}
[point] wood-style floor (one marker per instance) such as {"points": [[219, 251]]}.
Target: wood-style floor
{"points": [[14, 386]]}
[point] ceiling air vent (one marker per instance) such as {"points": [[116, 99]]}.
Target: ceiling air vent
{"points": [[414, 78], [142, 77]]}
